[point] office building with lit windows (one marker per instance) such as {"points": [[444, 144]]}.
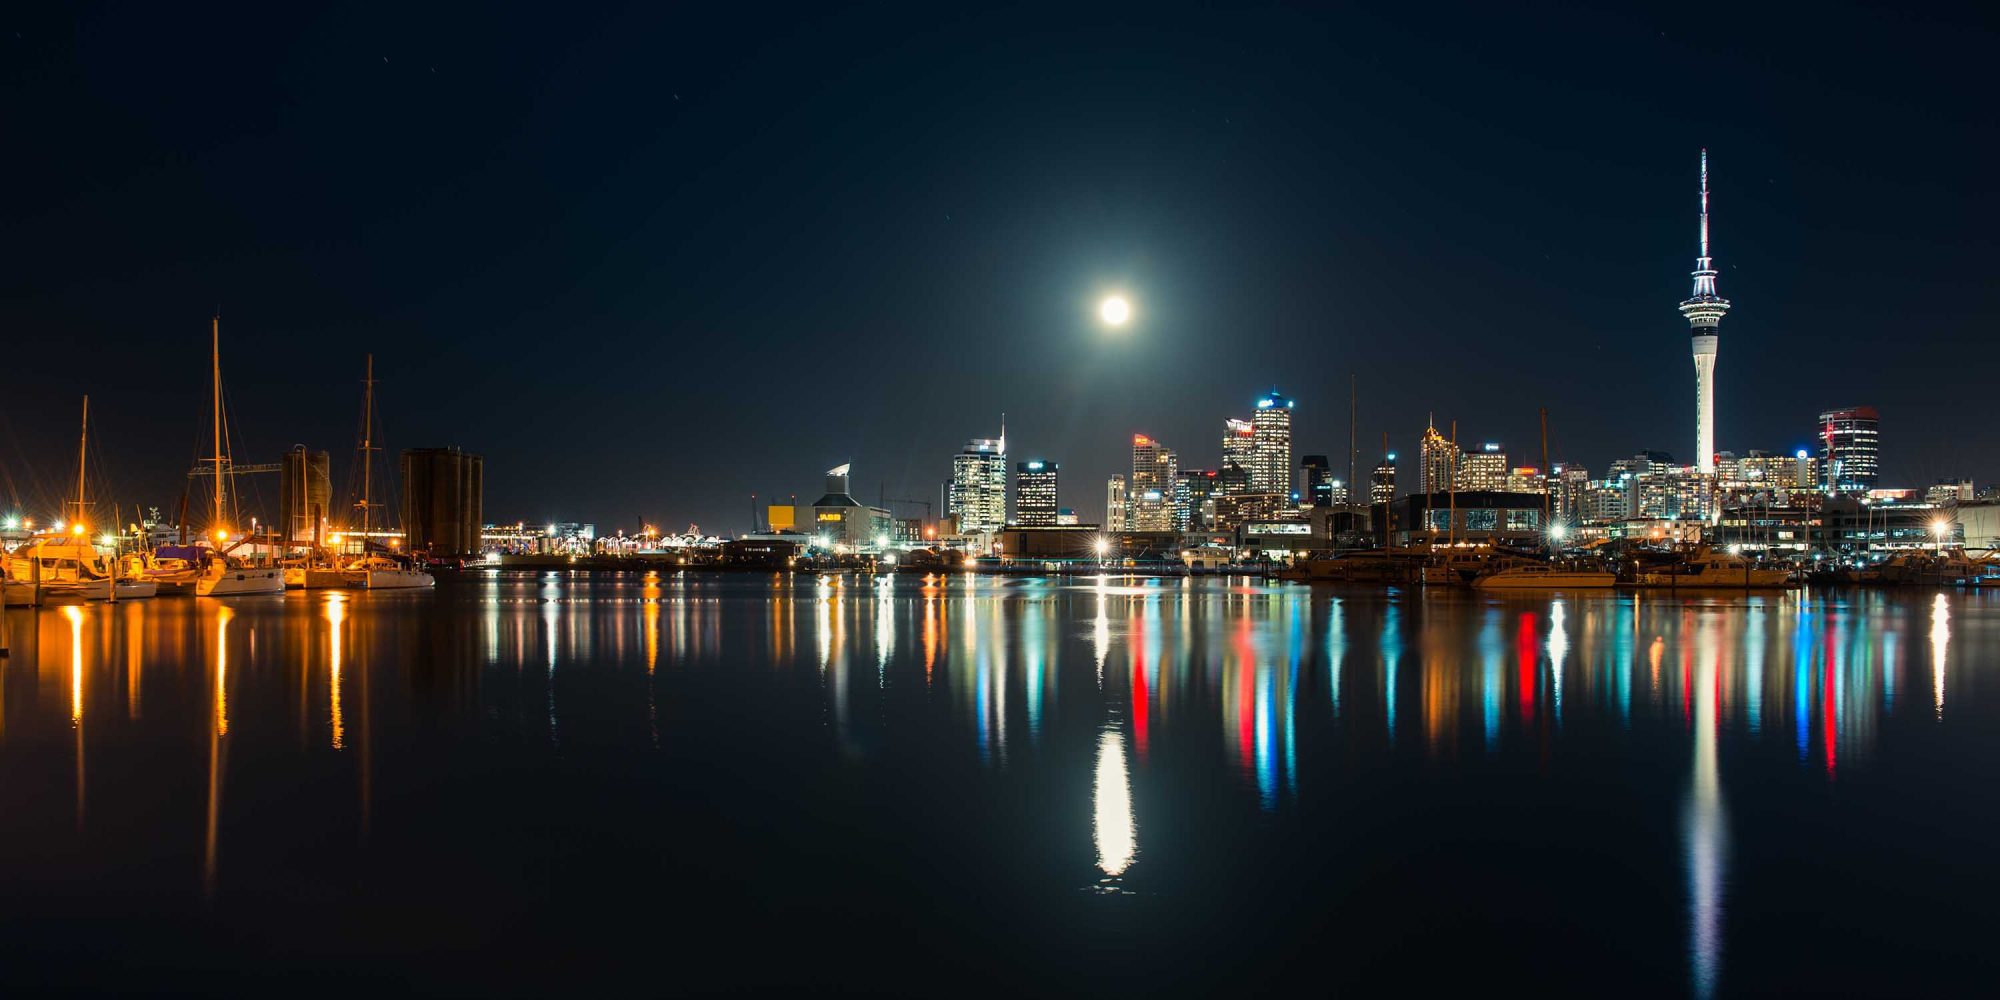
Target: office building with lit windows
{"points": [[1484, 469], [1382, 482], [1114, 504], [1271, 464], [978, 494], [1849, 443], [1035, 493], [1149, 493]]}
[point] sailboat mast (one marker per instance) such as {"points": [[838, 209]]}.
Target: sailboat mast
{"points": [[367, 450], [215, 371], [82, 440]]}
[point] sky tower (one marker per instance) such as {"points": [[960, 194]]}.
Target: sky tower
{"points": [[1704, 315]]}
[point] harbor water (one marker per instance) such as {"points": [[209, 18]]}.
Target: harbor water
{"points": [[561, 782]]}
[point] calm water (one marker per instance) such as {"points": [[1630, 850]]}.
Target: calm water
{"points": [[537, 784]]}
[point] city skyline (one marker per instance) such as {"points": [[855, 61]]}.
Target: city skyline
{"points": [[1347, 204]]}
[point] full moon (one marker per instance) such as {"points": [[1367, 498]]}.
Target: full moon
{"points": [[1115, 310]]}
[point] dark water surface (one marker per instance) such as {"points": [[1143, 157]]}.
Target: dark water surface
{"points": [[558, 783]]}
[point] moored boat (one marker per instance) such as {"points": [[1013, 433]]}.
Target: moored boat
{"points": [[1542, 576], [1716, 570]]}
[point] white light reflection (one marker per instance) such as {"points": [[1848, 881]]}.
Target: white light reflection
{"points": [[1705, 835], [1100, 637], [336, 616], [1113, 829], [1940, 642], [1558, 648]]}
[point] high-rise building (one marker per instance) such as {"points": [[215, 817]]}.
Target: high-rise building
{"points": [[1195, 492], [1319, 481], [978, 495], [1567, 492], [1271, 466], [1035, 493], [1485, 469], [1437, 462], [1239, 451], [1114, 504], [1704, 312], [1149, 493], [1382, 482], [443, 501], [1849, 443]]}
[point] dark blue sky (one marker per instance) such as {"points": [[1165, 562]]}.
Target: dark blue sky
{"points": [[651, 260]]}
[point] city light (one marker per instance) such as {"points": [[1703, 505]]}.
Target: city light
{"points": [[1558, 531], [76, 529]]}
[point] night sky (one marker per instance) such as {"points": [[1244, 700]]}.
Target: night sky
{"points": [[650, 261]]}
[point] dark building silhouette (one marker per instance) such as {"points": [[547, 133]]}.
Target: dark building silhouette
{"points": [[443, 501]]}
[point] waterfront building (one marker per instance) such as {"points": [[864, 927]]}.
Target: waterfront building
{"points": [[1849, 444], [1066, 517], [1382, 481], [1271, 426], [1437, 462], [841, 522], [1761, 527], [1703, 311], [1484, 470], [1114, 504], [443, 501], [1861, 524], [978, 493], [1149, 493], [1035, 493], [1477, 517]]}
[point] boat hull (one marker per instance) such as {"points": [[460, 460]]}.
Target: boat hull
{"points": [[1508, 581], [241, 582], [390, 579]]}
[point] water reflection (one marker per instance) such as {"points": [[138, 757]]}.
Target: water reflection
{"points": [[1113, 829], [1271, 705]]}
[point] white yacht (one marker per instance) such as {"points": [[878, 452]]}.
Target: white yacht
{"points": [[225, 576], [373, 570], [1714, 570], [66, 567]]}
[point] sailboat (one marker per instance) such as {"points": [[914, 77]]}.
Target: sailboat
{"points": [[373, 570], [65, 566], [225, 576]]}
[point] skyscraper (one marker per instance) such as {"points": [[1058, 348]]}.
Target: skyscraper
{"points": [[1704, 315], [1848, 443], [1271, 464], [978, 497], [1035, 494], [1239, 448], [1114, 504], [1437, 461], [1149, 493]]}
